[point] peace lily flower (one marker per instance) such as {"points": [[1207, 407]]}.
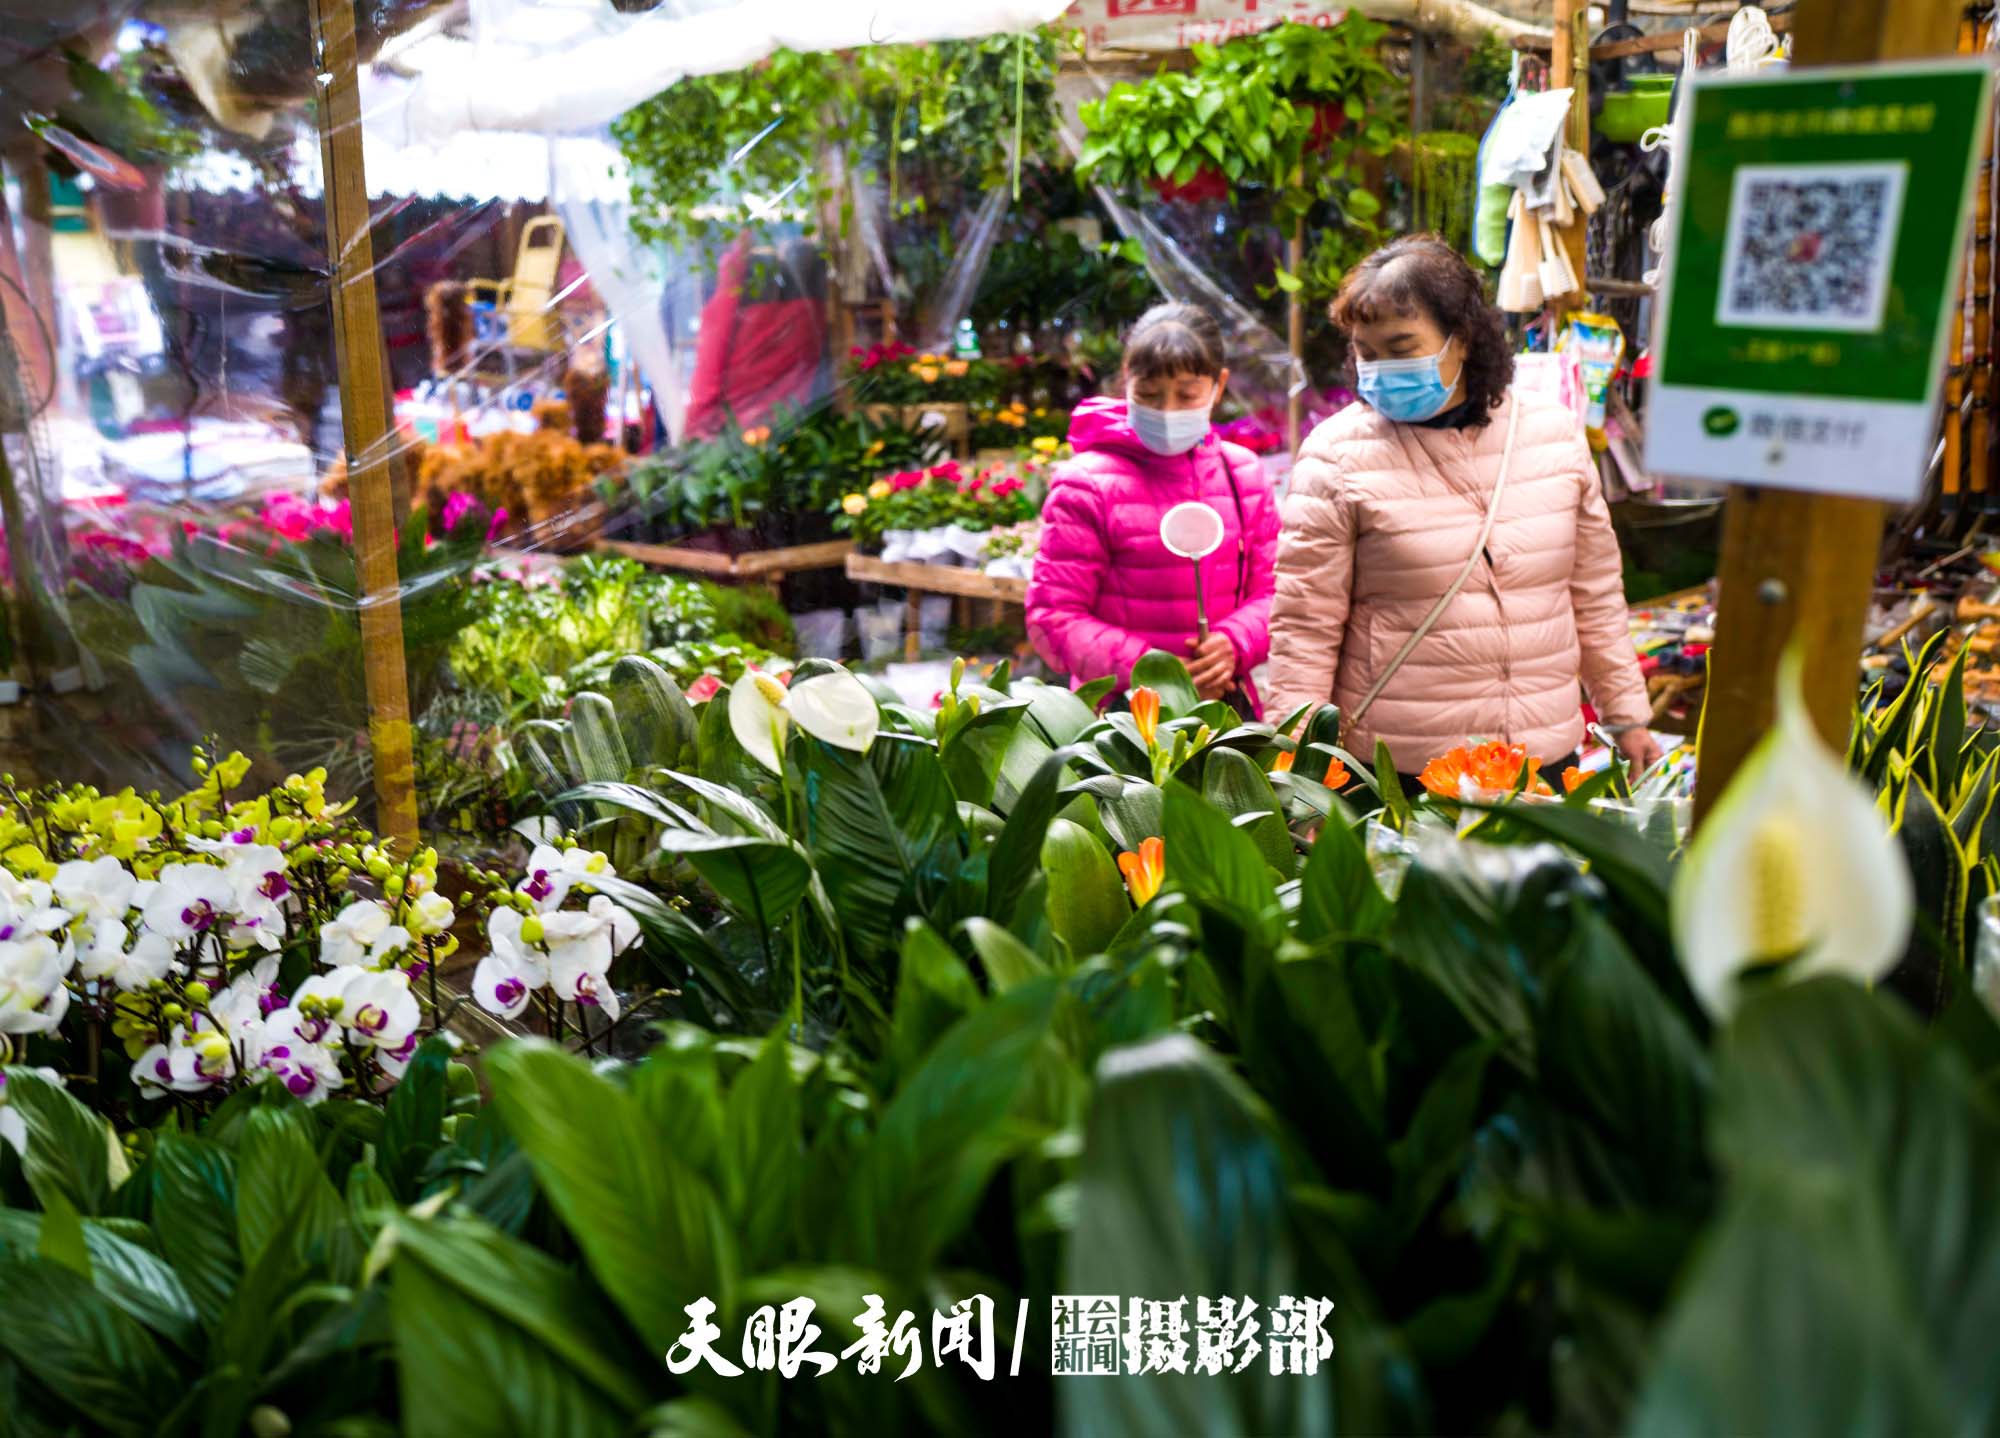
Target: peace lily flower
{"points": [[835, 708], [1795, 864], [1144, 871], [757, 718]]}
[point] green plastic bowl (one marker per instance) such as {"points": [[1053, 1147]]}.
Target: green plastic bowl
{"points": [[1628, 114]]}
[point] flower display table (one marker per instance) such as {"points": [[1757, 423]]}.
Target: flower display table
{"points": [[763, 566], [922, 579]]}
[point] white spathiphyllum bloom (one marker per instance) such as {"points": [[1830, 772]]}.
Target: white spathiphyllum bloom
{"points": [[348, 938], [378, 1008], [757, 718], [1795, 863], [188, 900], [33, 997], [96, 889], [511, 971], [430, 914], [553, 872], [836, 709]]}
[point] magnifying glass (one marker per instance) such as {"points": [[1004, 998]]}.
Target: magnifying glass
{"points": [[1193, 531]]}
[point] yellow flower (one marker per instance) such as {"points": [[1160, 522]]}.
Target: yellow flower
{"points": [[854, 503], [756, 437], [879, 489], [956, 368], [875, 449], [928, 373], [1047, 444]]}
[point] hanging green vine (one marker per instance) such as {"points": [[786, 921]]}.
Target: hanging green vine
{"points": [[923, 119]]}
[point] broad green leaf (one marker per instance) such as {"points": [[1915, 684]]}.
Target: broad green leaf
{"points": [[89, 1353], [61, 1239], [194, 1213], [68, 1147], [1087, 902], [1181, 1192], [133, 1277], [934, 990], [765, 1152], [413, 1121], [945, 1132], [1008, 961], [1338, 895], [883, 831], [282, 1195], [761, 879], [649, 1226], [1208, 858], [1167, 676], [1233, 783]]}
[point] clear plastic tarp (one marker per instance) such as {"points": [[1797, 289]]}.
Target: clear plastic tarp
{"points": [[647, 319]]}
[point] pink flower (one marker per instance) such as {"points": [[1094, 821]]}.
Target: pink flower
{"points": [[499, 524], [703, 689]]}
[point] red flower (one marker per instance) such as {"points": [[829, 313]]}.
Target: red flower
{"points": [[703, 689]]}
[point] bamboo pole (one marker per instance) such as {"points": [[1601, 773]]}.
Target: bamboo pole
{"points": [[1952, 484], [365, 419], [1799, 566], [1295, 337], [1570, 65], [1979, 436]]}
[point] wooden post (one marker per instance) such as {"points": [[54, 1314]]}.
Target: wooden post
{"points": [[1569, 64], [365, 420], [1979, 431], [1803, 565]]}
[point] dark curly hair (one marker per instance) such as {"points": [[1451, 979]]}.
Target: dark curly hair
{"points": [[1423, 274]]}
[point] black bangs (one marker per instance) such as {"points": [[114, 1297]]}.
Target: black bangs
{"points": [[1174, 340]]}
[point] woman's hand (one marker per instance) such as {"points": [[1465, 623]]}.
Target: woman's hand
{"points": [[1213, 667], [1640, 748]]}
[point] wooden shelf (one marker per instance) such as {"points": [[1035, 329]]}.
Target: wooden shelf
{"points": [[937, 579], [768, 565]]}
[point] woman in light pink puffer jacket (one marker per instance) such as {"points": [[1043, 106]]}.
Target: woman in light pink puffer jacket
{"points": [[1386, 505], [1106, 589]]}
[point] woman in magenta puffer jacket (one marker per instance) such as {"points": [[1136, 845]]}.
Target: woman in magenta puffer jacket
{"points": [[1106, 589]]}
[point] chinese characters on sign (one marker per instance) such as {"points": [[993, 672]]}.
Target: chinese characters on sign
{"points": [[1164, 25], [1090, 1335]]}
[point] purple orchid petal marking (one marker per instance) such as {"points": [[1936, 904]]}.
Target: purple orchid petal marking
{"points": [[509, 992], [372, 1018], [539, 887], [275, 886]]}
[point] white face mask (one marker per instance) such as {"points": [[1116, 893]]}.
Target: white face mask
{"points": [[1168, 431]]}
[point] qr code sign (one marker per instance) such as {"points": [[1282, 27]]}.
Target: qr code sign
{"points": [[1810, 246]]}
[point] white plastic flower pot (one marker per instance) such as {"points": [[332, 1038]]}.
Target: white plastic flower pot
{"points": [[930, 546], [896, 545], [822, 633], [967, 544], [881, 634]]}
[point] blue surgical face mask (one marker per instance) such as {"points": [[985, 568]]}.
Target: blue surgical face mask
{"points": [[1407, 391], [1168, 431]]}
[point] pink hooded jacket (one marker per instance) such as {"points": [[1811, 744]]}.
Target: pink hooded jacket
{"points": [[1379, 520], [1106, 589]]}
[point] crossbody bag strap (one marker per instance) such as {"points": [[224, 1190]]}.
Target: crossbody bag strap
{"points": [[1444, 601]]}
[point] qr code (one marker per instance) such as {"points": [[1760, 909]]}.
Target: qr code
{"points": [[1810, 246]]}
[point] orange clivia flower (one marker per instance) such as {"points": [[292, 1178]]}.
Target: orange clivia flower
{"points": [[1144, 871], [1146, 714], [1490, 768], [1283, 763], [1572, 778], [1337, 776]]}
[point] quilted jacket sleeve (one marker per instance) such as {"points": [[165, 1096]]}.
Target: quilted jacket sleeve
{"points": [[1062, 598], [1597, 593], [1315, 583], [1249, 627]]}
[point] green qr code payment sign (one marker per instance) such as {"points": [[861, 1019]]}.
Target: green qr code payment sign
{"points": [[1818, 228]]}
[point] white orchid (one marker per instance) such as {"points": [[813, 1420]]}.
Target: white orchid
{"points": [[757, 718], [190, 1061], [429, 914], [377, 1007], [363, 932], [309, 1071], [189, 899], [96, 889], [1795, 864], [835, 708], [511, 971], [33, 997], [581, 947], [27, 904], [106, 955], [238, 1011], [553, 872]]}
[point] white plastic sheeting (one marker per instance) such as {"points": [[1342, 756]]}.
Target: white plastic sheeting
{"points": [[470, 166], [571, 66]]}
